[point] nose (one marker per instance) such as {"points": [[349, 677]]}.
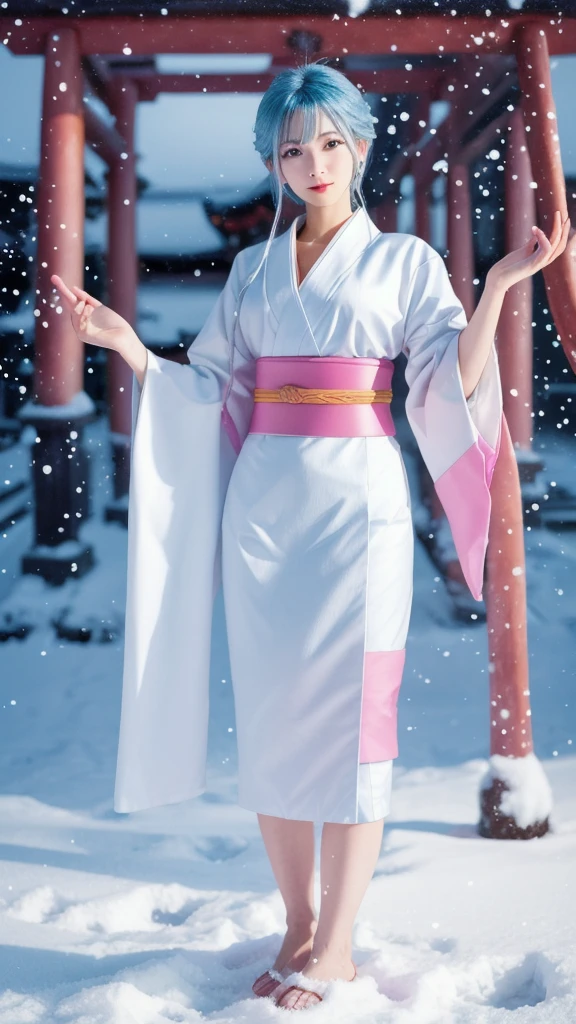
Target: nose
{"points": [[316, 165]]}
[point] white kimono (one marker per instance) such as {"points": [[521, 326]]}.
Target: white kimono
{"points": [[311, 536]]}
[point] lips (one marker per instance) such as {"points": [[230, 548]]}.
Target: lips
{"points": [[321, 188]]}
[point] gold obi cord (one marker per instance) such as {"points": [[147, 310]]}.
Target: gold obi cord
{"points": [[295, 395]]}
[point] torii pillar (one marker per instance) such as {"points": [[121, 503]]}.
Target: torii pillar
{"points": [[544, 147], [510, 713], [510, 726], [515, 337], [422, 210], [422, 182], [460, 242], [60, 407], [122, 288], [515, 324]]}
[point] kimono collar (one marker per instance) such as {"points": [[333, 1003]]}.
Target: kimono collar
{"points": [[334, 259], [299, 310]]}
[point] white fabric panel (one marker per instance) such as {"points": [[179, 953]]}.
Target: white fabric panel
{"points": [[374, 790], [180, 465], [433, 322], [294, 571], [391, 547]]}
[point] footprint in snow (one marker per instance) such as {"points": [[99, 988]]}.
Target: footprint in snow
{"points": [[526, 984], [177, 917]]}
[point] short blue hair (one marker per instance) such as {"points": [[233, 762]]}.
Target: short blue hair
{"points": [[312, 88]]}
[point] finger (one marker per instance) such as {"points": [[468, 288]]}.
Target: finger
{"points": [[562, 242], [558, 245], [86, 315], [79, 308], [539, 233], [554, 234], [81, 294], [544, 243], [63, 288], [565, 232]]}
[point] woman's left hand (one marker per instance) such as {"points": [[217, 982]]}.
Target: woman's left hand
{"points": [[535, 255]]}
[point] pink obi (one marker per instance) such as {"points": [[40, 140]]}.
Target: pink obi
{"points": [[324, 372]]}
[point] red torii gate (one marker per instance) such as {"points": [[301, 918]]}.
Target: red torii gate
{"points": [[66, 125]]}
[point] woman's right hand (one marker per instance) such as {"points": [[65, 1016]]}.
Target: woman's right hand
{"points": [[93, 322]]}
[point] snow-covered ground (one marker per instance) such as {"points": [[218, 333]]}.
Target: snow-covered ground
{"points": [[169, 915]]}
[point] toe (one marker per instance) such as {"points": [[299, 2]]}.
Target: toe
{"points": [[297, 999], [287, 1000], [264, 985], [305, 1000], [269, 988]]}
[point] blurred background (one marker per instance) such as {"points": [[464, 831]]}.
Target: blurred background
{"points": [[147, 154], [203, 194]]}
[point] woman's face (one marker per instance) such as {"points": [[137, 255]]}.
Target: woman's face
{"points": [[325, 161]]}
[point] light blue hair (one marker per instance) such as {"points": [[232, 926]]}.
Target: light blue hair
{"points": [[311, 88]]}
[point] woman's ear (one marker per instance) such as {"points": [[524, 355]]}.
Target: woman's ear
{"points": [[270, 167], [362, 147]]}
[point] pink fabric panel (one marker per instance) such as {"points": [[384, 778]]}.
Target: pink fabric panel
{"points": [[358, 374], [490, 455], [322, 420], [464, 492], [379, 725]]}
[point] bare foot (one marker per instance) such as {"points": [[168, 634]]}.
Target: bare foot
{"points": [[323, 967], [293, 956]]}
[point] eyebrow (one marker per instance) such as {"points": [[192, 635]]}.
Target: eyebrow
{"points": [[334, 131]]}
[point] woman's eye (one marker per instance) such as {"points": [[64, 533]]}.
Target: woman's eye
{"points": [[288, 152], [336, 142]]}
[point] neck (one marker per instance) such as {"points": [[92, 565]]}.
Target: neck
{"points": [[323, 221]]}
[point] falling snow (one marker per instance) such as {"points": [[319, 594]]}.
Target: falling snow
{"points": [[170, 915], [183, 933]]}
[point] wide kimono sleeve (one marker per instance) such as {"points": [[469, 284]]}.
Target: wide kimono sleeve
{"points": [[458, 438], [187, 424]]}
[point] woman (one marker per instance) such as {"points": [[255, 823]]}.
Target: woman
{"points": [[273, 455]]}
